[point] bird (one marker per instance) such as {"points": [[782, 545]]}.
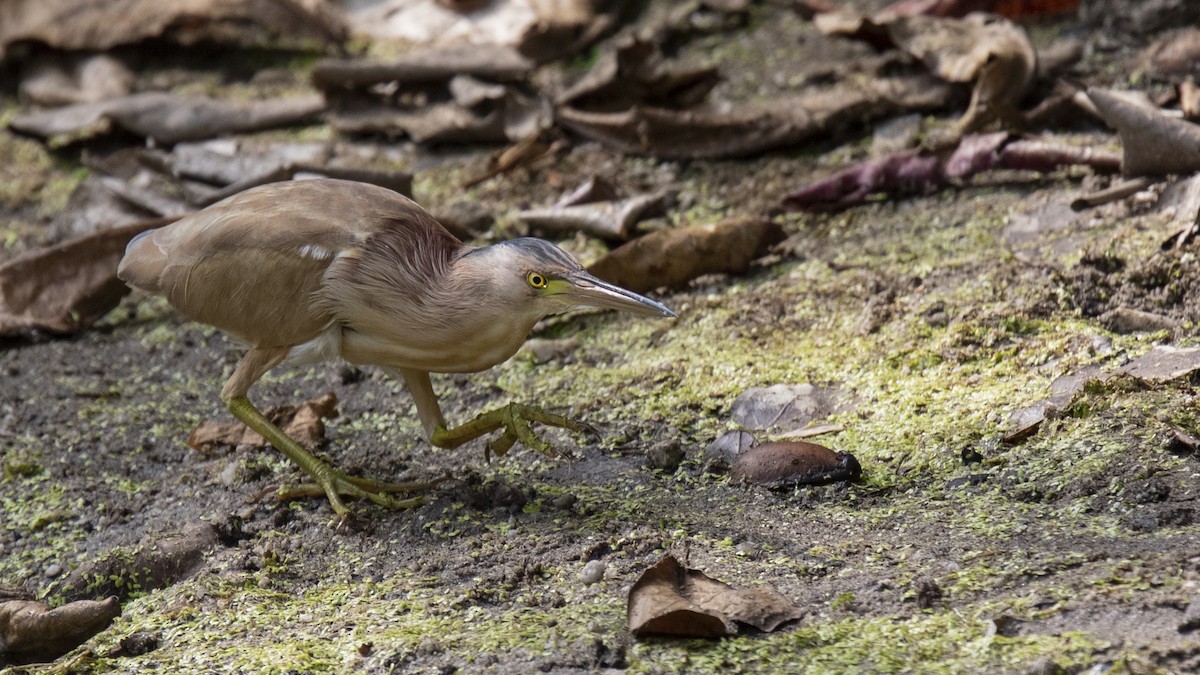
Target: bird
{"points": [[307, 271]]}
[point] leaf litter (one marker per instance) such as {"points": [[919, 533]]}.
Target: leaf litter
{"points": [[669, 600]]}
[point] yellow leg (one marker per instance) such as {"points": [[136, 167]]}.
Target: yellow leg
{"points": [[327, 480], [514, 418]]}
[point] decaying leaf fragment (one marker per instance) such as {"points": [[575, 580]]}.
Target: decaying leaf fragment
{"points": [[632, 73], [671, 600], [788, 463], [1164, 363], [300, 422], [101, 24], [915, 171], [788, 407], [542, 30], [700, 133], [605, 219], [1010, 8], [64, 79], [990, 51], [674, 257], [32, 632], [167, 118], [68, 287], [1152, 144], [433, 64]]}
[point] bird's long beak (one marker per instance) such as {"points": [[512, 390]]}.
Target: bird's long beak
{"points": [[585, 289]]}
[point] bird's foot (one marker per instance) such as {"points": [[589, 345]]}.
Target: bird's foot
{"points": [[335, 484], [327, 480], [514, 419]]}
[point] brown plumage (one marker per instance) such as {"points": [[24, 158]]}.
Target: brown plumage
{"points": [[307, 271]]}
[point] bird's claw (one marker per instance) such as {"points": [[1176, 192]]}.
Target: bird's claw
{"points": [[516, 424], [335, 484]]}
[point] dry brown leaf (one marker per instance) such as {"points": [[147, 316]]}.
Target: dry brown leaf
{"points": [[167, 118], [1152, 143], [98, 25], [753, 129], [788, 463], [669, 600], [433, 64], [540, 29], [32, 632], [68, 287], [613, 220], [465, 110], [1164, 363], [1174, 56], [992, 52], [633, 73], [788, 406], [301, 422], [674, 257], [63, 79], [1012, 9]]}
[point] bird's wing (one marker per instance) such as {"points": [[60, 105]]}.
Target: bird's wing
{"points": [[252, 263]]}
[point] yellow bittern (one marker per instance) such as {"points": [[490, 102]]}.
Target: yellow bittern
{"points": [[312, 270]]}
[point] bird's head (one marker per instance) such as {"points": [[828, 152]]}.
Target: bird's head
{"points": [[543, 279]]}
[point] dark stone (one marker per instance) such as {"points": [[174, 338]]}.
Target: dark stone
{"points": [[141, 642], [664, 456], [970, 455], [928, 593]]}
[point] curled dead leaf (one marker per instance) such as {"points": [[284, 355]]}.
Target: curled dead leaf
{"points": [[1152, 143], [97, 25], [670, 600], [632, 73], [433, 64], [1174, 56], [613, 220], [990, 51], [68, 287], [788, 463], [302, 422], [916, 172], [674, 257], [167, 118], [32, 632], [753, 129]]}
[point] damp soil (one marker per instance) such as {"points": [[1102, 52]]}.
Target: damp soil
{"points": [[956, 551]]}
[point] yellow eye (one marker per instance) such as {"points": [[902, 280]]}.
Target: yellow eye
{"points": [[536, 280]]}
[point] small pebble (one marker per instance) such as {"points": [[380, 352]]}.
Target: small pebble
{"points": [[53, 570], [228, 475], [593, 572]]}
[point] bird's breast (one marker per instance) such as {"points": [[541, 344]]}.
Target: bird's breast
{"points": [[464, 349]]}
